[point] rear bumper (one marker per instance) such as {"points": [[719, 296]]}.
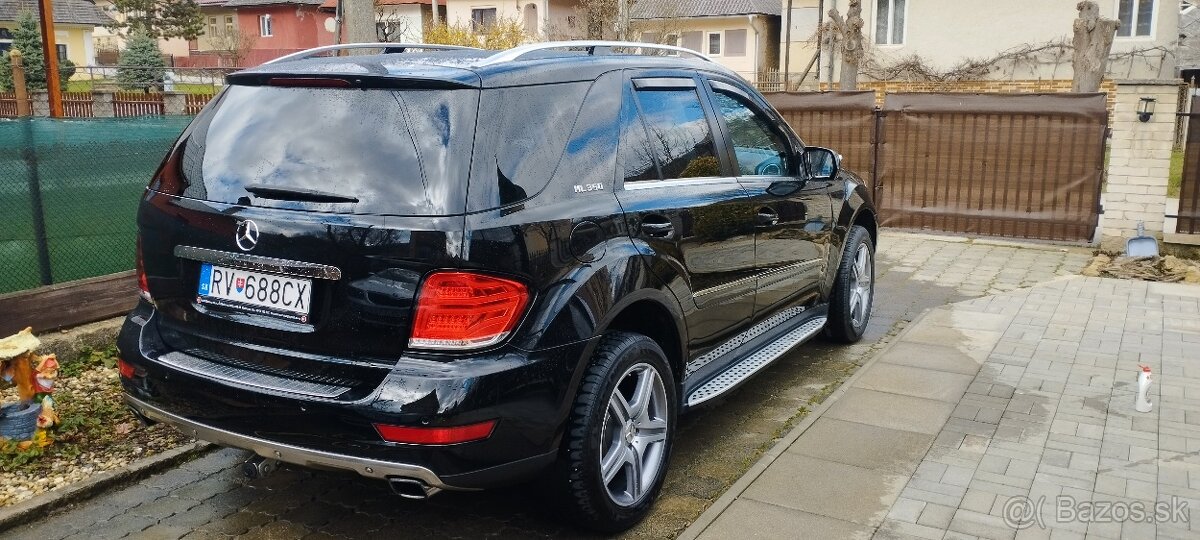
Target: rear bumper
{"points": [[527, 393], [286, 453]]}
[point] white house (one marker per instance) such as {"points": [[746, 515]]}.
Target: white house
{"points": [[944, 33], [742, 35]]}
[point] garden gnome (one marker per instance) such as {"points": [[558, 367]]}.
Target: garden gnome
{"points": [[45, 373], [48, 417]]}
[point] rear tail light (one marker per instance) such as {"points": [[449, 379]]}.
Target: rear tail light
{"points": [[126, 369], [465, 310], [143, 283], [436, 435]]}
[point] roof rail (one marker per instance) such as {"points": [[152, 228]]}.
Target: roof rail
{"points": [[594, 48], [387, 47]]}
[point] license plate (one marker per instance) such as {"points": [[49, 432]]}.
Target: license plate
{"points": [[255, 292]]}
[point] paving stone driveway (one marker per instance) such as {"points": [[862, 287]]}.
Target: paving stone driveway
{"points": [[1008, 416], [208, 499]]}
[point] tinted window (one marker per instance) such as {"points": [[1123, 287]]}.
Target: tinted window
{"points": [[397, 152], [677, 134], [758, 149], [525, 137]]}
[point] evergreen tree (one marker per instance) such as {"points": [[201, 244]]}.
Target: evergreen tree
{"points": [[141, 64], [159, 18], [27, 38]]}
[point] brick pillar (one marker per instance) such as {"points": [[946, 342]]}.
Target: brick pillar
{"points": [[41, 102], [102, 104], [1139, 161]]}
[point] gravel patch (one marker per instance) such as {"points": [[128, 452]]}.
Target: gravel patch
{"points": [[97, 433]]}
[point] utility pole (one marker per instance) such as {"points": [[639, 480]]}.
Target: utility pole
{"points": [[787, 45], [358, 22], [20, 92], [50, 52]]}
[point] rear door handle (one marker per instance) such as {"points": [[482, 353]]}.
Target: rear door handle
{"points": [[767, 217], [657, 227]]}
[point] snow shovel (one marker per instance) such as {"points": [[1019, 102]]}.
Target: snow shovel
{"points": [[1141, 245]]}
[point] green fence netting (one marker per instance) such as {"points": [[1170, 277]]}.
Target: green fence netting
{"points": [[83, 178]]}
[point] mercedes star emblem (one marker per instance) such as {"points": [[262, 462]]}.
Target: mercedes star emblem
{"points": [[246, 235]]}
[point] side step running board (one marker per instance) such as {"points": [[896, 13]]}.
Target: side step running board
{"points": [[752, 364]]}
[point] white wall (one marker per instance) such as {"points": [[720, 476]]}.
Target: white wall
{"points": [[406, 19]]}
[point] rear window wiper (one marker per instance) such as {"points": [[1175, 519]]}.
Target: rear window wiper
{"points": [[297, 194]]}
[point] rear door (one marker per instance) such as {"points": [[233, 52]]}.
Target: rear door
{"points": [[793, 214], [684, 206]]}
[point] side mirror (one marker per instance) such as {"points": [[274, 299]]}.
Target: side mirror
{"points": [[823, 163]]}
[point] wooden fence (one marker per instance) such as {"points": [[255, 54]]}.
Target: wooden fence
{"points": [[1189, 190], [68, 304], [137, 103], [77, 104], [195, 102]]}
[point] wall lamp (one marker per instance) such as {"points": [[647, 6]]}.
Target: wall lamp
{"points": [[1146, 108]]}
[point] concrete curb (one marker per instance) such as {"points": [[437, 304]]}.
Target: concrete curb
{"points": [[726, 499], [45, 504]]}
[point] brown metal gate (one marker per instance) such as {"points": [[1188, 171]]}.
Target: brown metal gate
{"points": [[1019, 165], [1189, 190], [842, 121]]}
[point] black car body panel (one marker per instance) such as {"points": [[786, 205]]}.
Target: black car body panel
{"points": [[536, 171]]}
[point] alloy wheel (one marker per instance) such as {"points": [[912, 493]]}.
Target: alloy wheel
{"points": [[861, 277], [634, 435]]}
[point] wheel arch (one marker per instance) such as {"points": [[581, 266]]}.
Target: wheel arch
{"points": [[653, 314]]}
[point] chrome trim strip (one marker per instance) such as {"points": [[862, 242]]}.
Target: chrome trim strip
{"points": [[760, 275], [757, 330], [676, 182], [246, 378], [754, 363], [259, 263], [305, 457]]}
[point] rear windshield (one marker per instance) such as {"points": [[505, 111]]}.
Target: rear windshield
{"points": [[398, 152]]}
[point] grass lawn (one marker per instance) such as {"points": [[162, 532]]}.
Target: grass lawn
{"points": [[1175, 180]]}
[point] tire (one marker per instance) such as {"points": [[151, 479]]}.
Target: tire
{"points": [[595, 437], [851, 300]]}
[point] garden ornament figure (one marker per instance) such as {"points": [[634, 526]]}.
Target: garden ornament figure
{"points": [[1141, 402]]}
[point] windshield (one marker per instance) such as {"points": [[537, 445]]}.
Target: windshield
{"points": [[397, 152]]}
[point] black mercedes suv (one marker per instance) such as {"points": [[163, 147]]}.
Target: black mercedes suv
{"points": [[453, 269]]}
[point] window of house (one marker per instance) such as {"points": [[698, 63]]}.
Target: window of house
{"points": [[1137, 18], [735, 42], [212, 26], [229, 24], [714, 43], [677, 141], [758, 149], [889, 22], [264, 26], [6, 40], [482, 18], [62, 51]]}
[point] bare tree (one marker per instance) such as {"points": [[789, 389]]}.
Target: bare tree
{"points": [[606, 18], [1092, 43], [391, 25], [233, 44], [843, 38]]}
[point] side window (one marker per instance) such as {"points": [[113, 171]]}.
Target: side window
{"points": [[758, 149], [677, 138]]}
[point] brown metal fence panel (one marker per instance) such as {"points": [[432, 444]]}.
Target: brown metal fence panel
{"points": [[8, 105], [1189, 190], [1017, 165], [137, 103], [841, 121]]}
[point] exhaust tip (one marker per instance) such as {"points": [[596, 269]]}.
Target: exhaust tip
{"points": [[145, 421], [259, 467], [411, 488]]}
